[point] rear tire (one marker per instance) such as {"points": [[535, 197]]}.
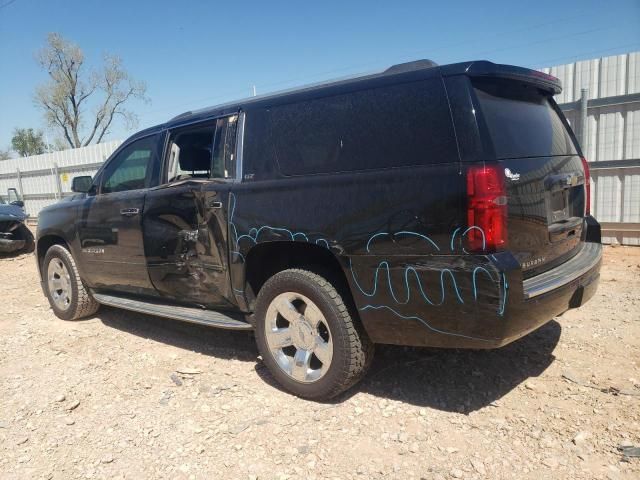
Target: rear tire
{"points": [[67, 295], [319, 350]]}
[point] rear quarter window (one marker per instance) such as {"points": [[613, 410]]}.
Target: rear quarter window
{"points": [[393, 126], [522, 121]]}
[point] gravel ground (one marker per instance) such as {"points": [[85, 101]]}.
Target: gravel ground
{"points": [[125, 395]]}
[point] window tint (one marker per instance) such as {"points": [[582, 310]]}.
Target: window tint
{"points": [[131, 168], [522, 122], [258, 152], [400, 125]]}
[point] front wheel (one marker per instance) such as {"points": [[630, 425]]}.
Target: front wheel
{"points": [[67, 295], [307, 337]]}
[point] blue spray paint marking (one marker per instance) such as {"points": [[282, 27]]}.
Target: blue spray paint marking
{"points": [[472, 227], [404, 232], [254, 234], [501, 278], [424, 322], [407, 271], [419, 235], [475, 271], [505, 286], [239, 255], [374, 236]]}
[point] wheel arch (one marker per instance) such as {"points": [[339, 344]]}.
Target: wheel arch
{"points": [[44, 243], [266, 259]]}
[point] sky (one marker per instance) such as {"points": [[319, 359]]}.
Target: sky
{"points": [[193, 54]]}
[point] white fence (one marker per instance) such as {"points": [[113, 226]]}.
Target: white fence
{"points": [[610, 136], [44, 179], [613, 118]]}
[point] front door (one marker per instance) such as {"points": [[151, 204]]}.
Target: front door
{"points": [[110, 222], [185, 218]]}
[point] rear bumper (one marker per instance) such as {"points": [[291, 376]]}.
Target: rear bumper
{"points": [[588, 258], [552, 293], [488, 306]]}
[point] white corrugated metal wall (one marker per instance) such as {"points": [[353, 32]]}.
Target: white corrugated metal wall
{"points": [[43, 179], [612, 137]]}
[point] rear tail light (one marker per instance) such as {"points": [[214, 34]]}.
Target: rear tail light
{"points": [[587, 186], [486, 208]]}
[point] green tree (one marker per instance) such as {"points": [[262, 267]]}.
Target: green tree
{"points": [[27, 141], [5, 154], [82, 104]]}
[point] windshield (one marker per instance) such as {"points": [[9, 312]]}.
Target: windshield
{"points": [[522, 122], [2, 202]]}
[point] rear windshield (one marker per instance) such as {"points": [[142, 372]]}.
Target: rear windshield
{"points": [[521, 120]]}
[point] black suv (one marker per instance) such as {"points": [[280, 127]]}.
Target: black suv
{"points": [[440, 206]]}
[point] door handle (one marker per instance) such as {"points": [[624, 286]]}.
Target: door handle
{"points": [[215, 204], [129, 212]]}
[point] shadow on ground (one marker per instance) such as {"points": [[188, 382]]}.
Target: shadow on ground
{"points": [[449, 380], [214, 342]]}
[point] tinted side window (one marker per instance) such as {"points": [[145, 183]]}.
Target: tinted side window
{"points": [[131, 168], [399, 125], [258, 152]]}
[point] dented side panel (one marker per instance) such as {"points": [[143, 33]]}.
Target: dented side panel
{"points": [[185, 242]]}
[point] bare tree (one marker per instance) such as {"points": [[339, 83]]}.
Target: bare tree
{"points": [[73, 90]]}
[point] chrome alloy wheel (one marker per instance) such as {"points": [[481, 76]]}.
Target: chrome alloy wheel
{"points": [[298, 337], [59, 282]]}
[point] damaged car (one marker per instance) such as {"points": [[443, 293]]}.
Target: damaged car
{"points": [[15, 236], [425, 205]]}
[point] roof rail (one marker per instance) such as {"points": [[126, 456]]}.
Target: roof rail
{"points": [[410, 66]]}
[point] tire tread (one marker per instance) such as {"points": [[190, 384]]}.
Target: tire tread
{"points": [[85, 305], [359, 348]]}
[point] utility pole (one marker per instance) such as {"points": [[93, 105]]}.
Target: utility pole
{"points": [[253, 89]]}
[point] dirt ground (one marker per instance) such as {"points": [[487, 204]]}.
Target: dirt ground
{"points": [[125, 395]]}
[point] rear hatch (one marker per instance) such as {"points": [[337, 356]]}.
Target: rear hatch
{"points": [[544, 173]]}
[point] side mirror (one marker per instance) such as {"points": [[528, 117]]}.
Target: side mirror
{"points": [[81, 184], [18, 203]]}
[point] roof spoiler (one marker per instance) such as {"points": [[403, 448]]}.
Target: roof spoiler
{"points": [[411, 66], [483, 68]]}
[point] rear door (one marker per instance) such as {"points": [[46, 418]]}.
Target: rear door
{"points": [[544, 176], [185, 218]]}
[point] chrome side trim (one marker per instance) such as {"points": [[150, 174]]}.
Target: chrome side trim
{"points": [[586, 259]]}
